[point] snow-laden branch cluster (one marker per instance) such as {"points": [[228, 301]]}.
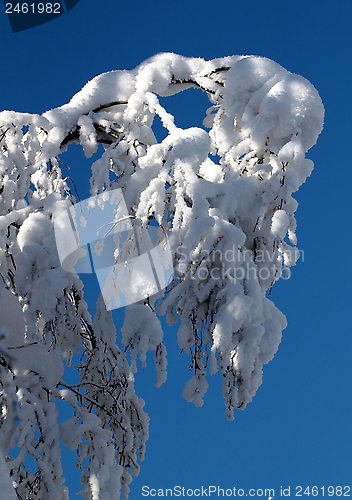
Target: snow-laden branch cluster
{"points": [[222, 196]]}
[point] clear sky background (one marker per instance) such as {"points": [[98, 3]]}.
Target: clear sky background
{"points": [[297, 431]]}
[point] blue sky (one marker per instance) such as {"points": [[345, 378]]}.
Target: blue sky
{"points": [[297, 431]]}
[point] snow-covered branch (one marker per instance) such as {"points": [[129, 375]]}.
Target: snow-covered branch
{"points": [[222, 196]]}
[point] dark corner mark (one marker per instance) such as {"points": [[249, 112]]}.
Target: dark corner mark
{"points": [[25, 15]]}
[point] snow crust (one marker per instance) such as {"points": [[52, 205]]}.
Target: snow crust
{"points": [[7, 491], [230, 225]]}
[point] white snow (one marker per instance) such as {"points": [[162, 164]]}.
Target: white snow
{"points": [[12, 325], [227, 222], [7, 490]]}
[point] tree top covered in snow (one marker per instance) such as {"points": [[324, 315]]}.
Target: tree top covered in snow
{"points": [[222, 197]]}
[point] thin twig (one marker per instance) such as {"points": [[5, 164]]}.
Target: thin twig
{"points": [[108, 105], [4, 133]]}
